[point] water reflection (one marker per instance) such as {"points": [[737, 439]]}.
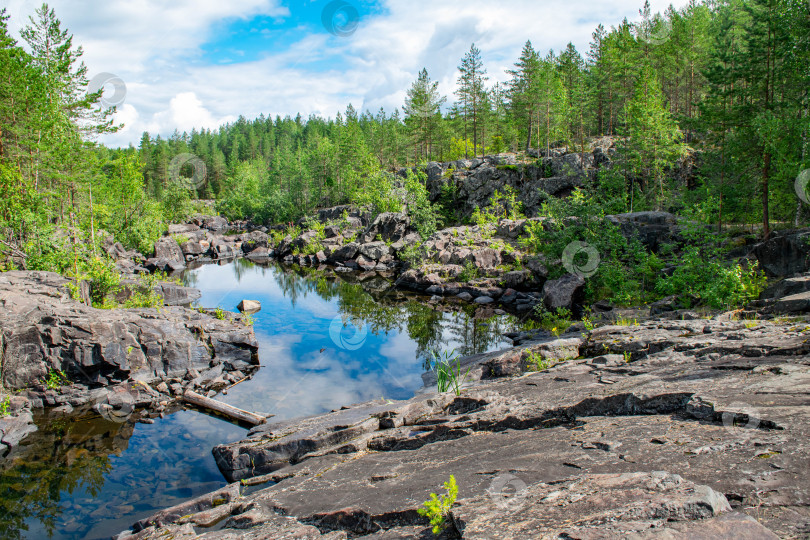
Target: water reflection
{"points": [[80, 476]]}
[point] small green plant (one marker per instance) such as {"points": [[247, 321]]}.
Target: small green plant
{"points": [[412, 255], [627, 357], [556, 322], [587, 321], [438, 507], [219, 313], [622, 321], [247, 319], [537, 361], [56, 378], [4, 406], [448, 374], [469, 273]]}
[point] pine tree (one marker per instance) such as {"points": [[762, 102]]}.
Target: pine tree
{"points": [[654, 140], [423, 113], [523, 89], [471, 90]]}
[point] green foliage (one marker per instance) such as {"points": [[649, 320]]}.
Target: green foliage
{"points": [[103, 279], [537, 362], [468, 273], [4, 406], [56, 379], [556, 322], [501, 206], [144, 294], [438, 507], [424, 215], [448, 373], [412, 255], [219, 313], [381, 195]]}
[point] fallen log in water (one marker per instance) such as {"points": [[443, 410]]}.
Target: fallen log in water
{"points": [[223, 408]]}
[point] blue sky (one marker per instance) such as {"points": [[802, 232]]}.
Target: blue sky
{"points": [[201, 63]]}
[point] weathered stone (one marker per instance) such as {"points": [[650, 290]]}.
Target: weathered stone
{"points": [[347, 252], [249, 306], [566, 292], [374, 250], [388, 226], [652, 229], [785, 253], [605, 429], [45, 329], [166, 248]]}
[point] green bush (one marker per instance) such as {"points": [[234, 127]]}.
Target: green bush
{"points": [[438, 507]]}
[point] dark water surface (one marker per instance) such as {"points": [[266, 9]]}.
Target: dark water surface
{"points": [[324, 342]]}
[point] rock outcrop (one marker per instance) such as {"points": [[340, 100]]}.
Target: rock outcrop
{"points": [[46, 332]]}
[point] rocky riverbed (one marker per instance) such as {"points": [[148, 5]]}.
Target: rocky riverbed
{"points": [[665, 428]]}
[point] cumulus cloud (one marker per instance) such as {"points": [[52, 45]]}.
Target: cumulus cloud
{"points": [[157, 48]]}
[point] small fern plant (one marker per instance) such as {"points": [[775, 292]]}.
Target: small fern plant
{"points": [[438, 507]]}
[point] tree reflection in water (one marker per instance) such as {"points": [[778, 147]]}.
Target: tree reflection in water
{"points": [[65, 456]]}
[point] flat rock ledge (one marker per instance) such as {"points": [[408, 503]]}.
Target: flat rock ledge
{"points": [[117, 360], [665, 429]]}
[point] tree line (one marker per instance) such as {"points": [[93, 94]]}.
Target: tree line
{"points": [[721, 84]]}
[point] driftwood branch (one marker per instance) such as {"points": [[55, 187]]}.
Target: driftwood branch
{"points": [[223, 408]]}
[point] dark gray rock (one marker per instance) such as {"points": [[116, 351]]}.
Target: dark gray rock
{"points": [[695, 437], [652, 229], [786, 253], [787, 287], [566, 292], [388, 226], [375, 250], [44, 329], [167, 249], [346, 253]]}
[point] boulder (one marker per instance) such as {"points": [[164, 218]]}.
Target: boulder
{"points": [[195, 248], [346, 253], [168, 249], [254, 240], [787, 287], [785, 253], [183, 228], [388, 226], [518, 280], [260, 254], [484, 258], [249, 306], [374, 250], [214, 223], [653, 229], [163, 265], [566, 292], [45, 329]]}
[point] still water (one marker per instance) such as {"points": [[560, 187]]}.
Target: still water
{"points": [[324, 341]]}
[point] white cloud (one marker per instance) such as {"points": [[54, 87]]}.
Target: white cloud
{"points": [[156, 48]]}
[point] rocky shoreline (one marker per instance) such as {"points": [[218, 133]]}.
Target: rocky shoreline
{"points": [[61, 353]]}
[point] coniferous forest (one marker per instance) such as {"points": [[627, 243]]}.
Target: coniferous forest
{"points": [[723, 86]]}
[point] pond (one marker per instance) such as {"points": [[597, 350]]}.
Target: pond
{"points": [[326, 340]]}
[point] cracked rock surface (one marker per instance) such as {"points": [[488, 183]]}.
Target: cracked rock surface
{"points": [[44, 330], [665, 429]]}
